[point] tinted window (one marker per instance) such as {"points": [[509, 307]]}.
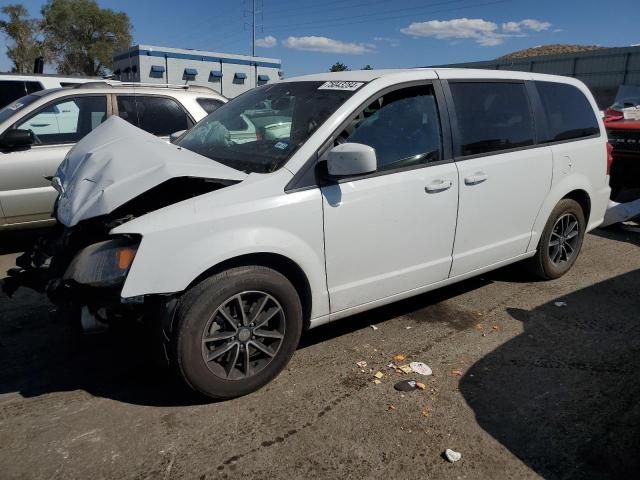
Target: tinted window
{"points": [[67, 120], [157, 115], [11, 90], [209, 104], [568, 112], [402, 126], [492, 116], [33, 86]]}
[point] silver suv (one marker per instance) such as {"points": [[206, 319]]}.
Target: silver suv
{"points": [[37, 131]]}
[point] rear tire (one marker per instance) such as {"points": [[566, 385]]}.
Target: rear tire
{"points": [[561, 240], [253, 315]]}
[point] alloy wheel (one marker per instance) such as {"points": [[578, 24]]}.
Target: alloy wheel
{"points": [[243, 335], [563, 243]]}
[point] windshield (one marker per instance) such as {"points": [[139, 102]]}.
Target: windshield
{"points": [[260, 130], [628, 96], [16, 106]]}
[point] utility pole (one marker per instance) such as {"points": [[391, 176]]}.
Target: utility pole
{"points": [[254, 23]]}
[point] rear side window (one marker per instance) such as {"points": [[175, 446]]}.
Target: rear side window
{"points": [[492, 116], [11, 90], [568, 113], [33, 86], [209, 104], [160, 116]]}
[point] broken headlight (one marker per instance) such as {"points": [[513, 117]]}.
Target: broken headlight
{"points": [[103, 264]]}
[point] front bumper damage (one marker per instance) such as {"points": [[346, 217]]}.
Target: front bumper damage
{"points": [[45, 268]]}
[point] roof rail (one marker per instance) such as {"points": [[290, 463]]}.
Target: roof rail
{"points": [[116, 83]]}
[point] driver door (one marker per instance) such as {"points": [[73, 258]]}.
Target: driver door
{"points": [[392, 232], [25, 194]]}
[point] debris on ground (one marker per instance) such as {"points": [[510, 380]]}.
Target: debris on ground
{"points": [[421, 368], [399, 358], [391, 407], [560, 304], [377, 382], [457, 372], [373, 327], [426, 412], [379, 375], [361, 364], [408, 328], [405, 369], [421, 386], [452, 455], [405, 386], [495, 327], [391, 365]]}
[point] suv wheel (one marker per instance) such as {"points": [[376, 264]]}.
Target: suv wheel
{"points": [[561, 240], [236, 331]]}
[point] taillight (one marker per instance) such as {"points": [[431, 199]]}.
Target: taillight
{"points": [[609, 157]]}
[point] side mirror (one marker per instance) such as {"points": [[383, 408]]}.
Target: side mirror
{"points": [[16, 138], [176, 135], [351, 159]]}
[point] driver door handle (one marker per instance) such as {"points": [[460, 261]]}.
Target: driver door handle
{"points": [[475, 179], [438, 186]]}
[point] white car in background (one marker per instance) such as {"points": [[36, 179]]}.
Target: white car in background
{"points": [[16, 85], [37, 131], [385, 185]]}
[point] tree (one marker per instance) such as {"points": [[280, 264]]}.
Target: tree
{"points": [[338, 67], [367, 67], [23, 35], [83, 37]]}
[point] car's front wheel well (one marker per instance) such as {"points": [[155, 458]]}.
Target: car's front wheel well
{"points": [[287, 267], [583, 200]]}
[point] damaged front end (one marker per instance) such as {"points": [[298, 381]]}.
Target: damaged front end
{"points": [[84, 266], [81, 265]]}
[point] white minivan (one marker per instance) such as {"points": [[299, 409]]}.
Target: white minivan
{"points": [[375, 186]]}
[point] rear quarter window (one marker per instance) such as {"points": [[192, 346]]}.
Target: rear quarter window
{"points": [[567, 112], [209, 104]]}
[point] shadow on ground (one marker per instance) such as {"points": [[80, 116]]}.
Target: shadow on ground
{"points": [[564, 396], [40, 354]]}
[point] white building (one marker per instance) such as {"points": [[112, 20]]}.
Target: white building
{"points": [[225, 73]]}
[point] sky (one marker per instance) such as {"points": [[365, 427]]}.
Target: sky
{"points": [[310, 35]]}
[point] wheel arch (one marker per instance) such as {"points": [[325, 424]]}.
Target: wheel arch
{"points": [[280, 263], [583, 199]]}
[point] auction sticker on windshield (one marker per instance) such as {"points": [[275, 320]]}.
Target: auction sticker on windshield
{"points": [[335, 85]]}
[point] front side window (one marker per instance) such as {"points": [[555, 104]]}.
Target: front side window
{"points": [[492, 116], [160, 116], [67, 120], [252, 139], [402, 126], [568, 113]]}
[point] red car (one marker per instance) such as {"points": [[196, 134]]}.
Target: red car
{"points": [[622, 120]]}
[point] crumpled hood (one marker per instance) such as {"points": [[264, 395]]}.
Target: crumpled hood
{"points": [[116, 162]]}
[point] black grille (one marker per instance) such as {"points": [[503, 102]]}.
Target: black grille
{"points": [[625, 141]]}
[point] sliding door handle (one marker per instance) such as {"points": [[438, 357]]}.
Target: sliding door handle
{"points": [[475, 179]]}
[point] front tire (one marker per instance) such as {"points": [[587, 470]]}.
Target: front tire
{"points": [[236, 331], [561, 240]]}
